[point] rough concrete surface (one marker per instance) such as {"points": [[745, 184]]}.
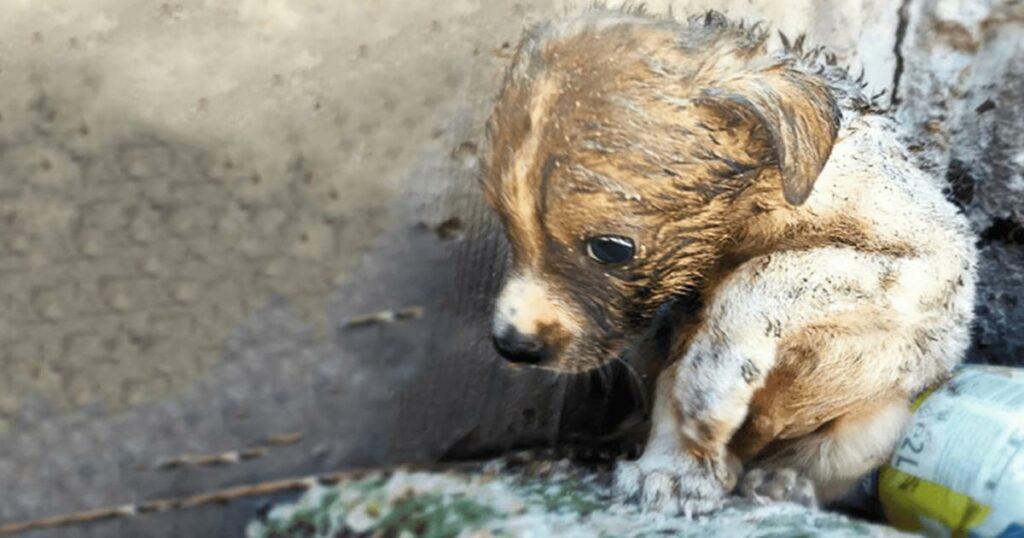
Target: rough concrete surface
{"points": [[962, 100], [196, 196]]}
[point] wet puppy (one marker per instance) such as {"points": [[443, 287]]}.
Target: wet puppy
{"points": [[636, 159]]}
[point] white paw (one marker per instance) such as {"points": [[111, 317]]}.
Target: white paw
{"points": [[669, 485], [777, 485]]}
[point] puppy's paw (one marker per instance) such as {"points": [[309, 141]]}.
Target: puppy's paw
{"points": [[778, 485], [669, 485]]}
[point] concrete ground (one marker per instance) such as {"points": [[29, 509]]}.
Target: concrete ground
{"points": [[197, 196]]}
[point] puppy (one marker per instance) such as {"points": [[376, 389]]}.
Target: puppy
{"points": [[635, 159]]}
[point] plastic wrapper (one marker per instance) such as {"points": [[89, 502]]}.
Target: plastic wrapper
{"points": [[959, 469]]}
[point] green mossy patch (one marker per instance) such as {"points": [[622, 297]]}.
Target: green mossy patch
{"points": [[538, 500]]}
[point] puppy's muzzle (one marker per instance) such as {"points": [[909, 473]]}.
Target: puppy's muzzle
{"points": [[519, 348]]}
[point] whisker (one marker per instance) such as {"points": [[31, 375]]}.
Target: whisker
{"points": [[636, 385], [605, 377]]}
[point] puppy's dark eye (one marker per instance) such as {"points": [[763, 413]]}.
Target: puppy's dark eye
{"points": [[610, 249]]}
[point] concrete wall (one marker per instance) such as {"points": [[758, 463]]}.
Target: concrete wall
{"points": [[196, 196]]}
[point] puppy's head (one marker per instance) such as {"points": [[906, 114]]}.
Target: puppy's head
{"points": [[624, 155]]}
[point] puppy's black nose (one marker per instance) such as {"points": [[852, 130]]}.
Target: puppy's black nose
{"points": [[518, 348]]}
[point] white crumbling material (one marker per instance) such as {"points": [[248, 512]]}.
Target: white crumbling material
{"points": [[563, 502]]}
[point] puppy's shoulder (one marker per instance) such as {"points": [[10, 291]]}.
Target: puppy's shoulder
{"points": [[872, 178]]}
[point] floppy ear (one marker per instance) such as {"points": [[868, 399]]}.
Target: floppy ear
{"points": [[799, 115]]}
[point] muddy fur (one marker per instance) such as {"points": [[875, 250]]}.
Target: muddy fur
{"points": [[836, 279]]}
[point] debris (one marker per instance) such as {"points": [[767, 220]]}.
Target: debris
{"points": [[386, 316], [984, 107], [230, 456], [956, 470], [209, 460], [448, 229], [466, 154], [280, 439]]}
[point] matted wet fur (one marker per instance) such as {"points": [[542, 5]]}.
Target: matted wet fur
{"points": [[836, 279]]}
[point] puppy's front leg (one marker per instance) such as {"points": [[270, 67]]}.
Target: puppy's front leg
{"points": [[705, 396], [701, 400]]}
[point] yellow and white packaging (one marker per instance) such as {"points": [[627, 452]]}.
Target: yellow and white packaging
{"points": [[959, 469]]}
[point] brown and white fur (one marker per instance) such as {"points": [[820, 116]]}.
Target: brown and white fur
{"points": [[837, 281]]}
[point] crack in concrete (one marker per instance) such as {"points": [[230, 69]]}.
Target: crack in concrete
{"points": [[897, 49]]}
